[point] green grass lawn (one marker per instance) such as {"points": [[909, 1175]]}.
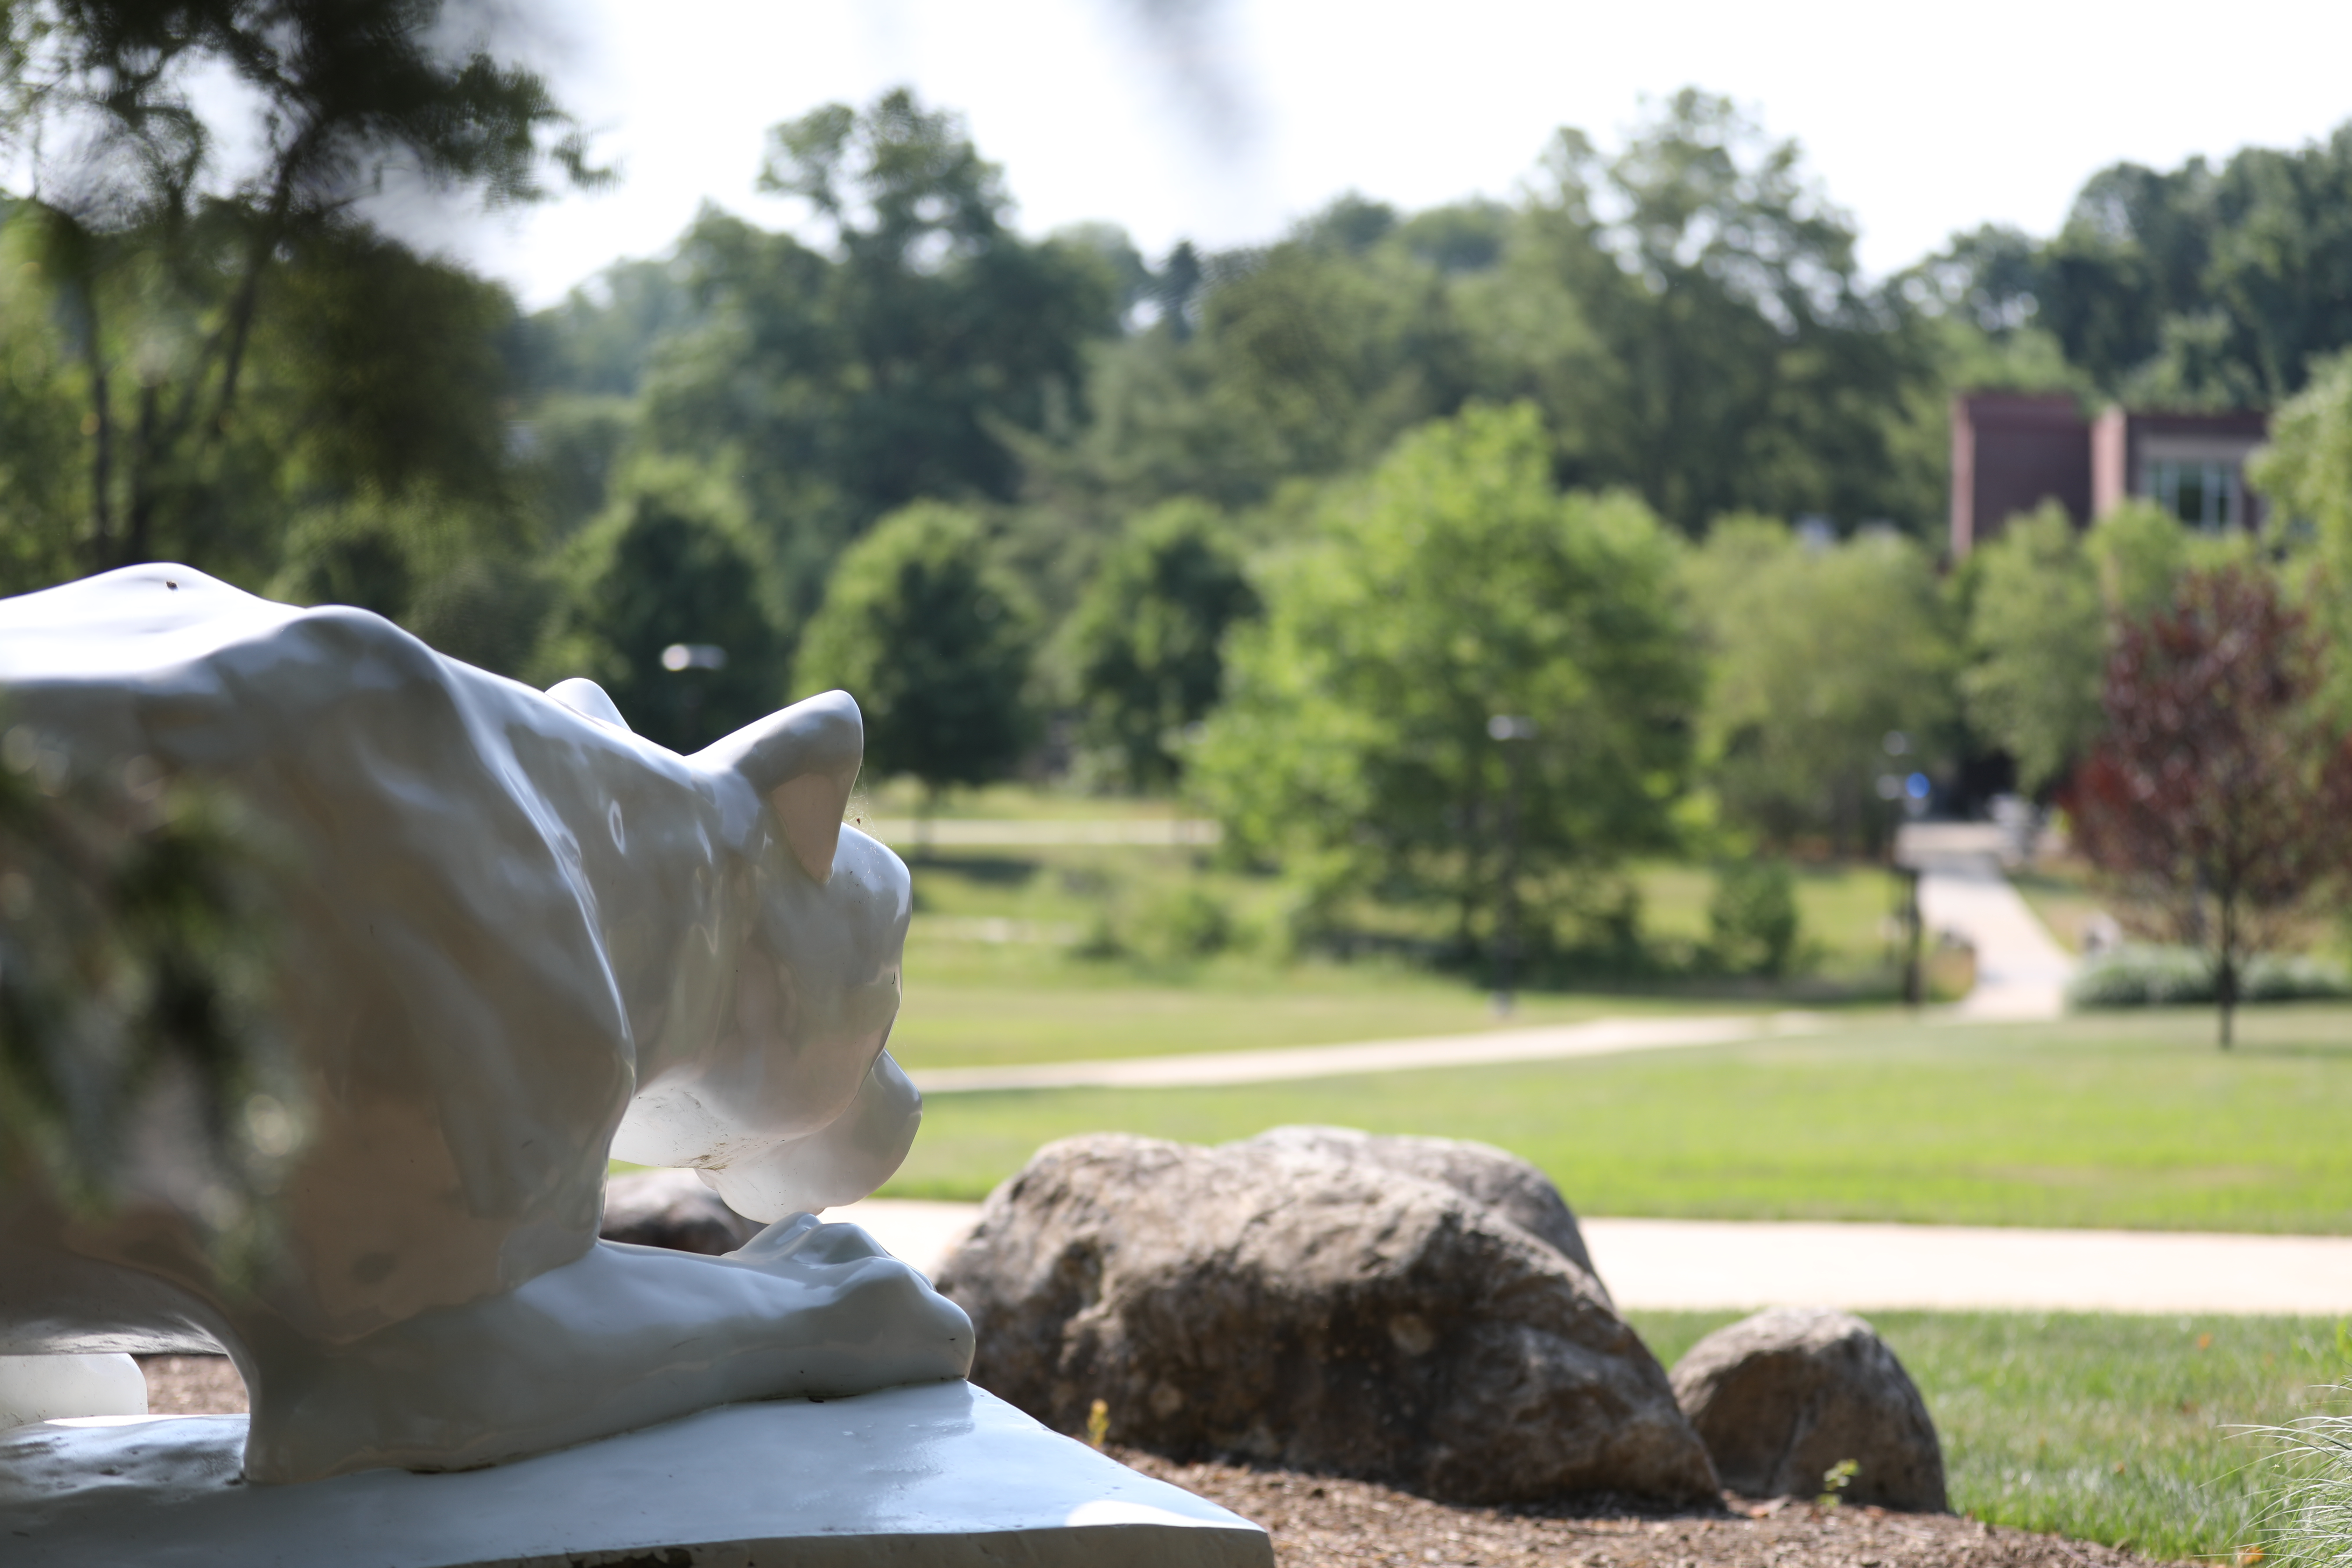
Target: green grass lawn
{"points": [[2123, 1120], [2063, 896], [2105, 1428], [998, 968], [1842, 911], [903, 797]]}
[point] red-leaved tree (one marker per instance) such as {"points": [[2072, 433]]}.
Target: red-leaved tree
{"points": [[2221, 796]]}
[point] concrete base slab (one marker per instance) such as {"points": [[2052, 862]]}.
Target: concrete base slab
{"points": [[940, 1476]]}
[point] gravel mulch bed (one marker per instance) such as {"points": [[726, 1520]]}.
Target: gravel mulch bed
{"points": [[1317, 1521], [1320, 1523]]}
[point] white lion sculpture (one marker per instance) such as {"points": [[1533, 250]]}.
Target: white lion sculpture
{"points": [[519, 939]]}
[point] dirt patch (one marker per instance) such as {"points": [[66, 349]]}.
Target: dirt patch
{"points": [[1319, 1522]]}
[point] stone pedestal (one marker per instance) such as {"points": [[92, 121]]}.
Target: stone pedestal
{"points": [[939, 1476]]}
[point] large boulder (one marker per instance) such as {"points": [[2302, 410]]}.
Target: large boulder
{"points": [[1501, 1181], [1311, 1301], [671, 1208], [1783, 1397]]}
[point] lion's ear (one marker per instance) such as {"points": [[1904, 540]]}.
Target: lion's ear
{"points": [[804, 761], [589, 701]]}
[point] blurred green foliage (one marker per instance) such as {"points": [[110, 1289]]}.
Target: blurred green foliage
{"points": [[1456, 586], [1243, 522], [1752, 921], [1143, 647], [663, 607], [2037, 644], [1831, 666], [836, 382], [140, 1062], [2306, 472], [207, 341], [2196, 286], [936, 644]]}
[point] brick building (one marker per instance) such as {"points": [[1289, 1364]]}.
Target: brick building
{"points": [[2013, 451]]}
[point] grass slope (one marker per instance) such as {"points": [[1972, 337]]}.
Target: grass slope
{"points": [[2126, 1120], [2104, 1428]]}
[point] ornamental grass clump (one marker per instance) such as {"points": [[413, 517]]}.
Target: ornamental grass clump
{"points": [[2311, 1521]]}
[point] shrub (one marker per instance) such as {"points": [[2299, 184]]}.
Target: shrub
{"points": [[1190, 922], [934, 641], [1752, 918], [1177, 925]]}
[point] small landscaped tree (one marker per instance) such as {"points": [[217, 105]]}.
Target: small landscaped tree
{"points": [[2037, 634], [665, 608], [2220, 794], [1468, 688], [1144, 643], [934, 643], [1816, 651]]}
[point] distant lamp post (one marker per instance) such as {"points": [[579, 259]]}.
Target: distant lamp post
{"points": [[1908, 792], [1503, 729]]}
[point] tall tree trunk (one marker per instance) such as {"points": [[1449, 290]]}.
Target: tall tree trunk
{"points": [[1472, 893], [2225, 975], [102, 458], [139, 533]]}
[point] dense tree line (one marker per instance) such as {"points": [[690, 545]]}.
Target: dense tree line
{"points": [[1640, 460], [2197, 287]]}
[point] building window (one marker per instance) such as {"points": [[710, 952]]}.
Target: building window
{"points": [[2203, 495]]}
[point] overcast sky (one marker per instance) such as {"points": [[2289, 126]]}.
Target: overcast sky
{"points": [[1223, 127]]}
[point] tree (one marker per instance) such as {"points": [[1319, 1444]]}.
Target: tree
{"points": [[2307, 474], [1144, 646], [1817, 653], [166, 255], [1689, 315], [899, 360], [2196, 286], [665, 611], [138, 1056], [1731, 358], [2042, 603], [2219, 793], [2037, 640], [1453, 586], [919, 626], [1752, 920]]}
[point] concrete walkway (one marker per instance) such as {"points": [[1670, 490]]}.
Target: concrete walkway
{"points": [[1603, 1036], [1698, 1265], [2021, 971]]}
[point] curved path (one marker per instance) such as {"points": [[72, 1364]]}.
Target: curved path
{"points": [[1603, 1037], [2021, 971], [1678, 1264]]}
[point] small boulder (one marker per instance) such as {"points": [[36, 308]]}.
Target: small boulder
{"points": [[672, 1209], [1783, 1397], [1307, 1300]]}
